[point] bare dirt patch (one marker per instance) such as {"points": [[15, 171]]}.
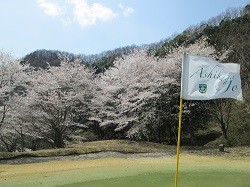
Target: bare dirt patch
{"points": [[90, 156]]}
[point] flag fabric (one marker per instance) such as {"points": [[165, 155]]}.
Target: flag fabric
{"points": [[204, 79]]}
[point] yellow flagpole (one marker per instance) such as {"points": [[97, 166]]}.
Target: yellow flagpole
{"points": [[178, 145]]}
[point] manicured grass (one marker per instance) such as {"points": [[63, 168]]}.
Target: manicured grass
{"points": [[158, 179], [195, 171]]}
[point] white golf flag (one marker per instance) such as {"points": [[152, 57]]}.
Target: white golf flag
{"points": [[204, 79]]}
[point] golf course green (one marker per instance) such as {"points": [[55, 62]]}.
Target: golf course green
{"points": [[194, 171]]}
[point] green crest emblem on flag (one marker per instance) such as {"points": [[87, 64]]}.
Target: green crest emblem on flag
{"points": [[202, 88]]}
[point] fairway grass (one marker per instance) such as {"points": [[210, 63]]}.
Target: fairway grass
{"points": [[160, 179], [200, 171]]}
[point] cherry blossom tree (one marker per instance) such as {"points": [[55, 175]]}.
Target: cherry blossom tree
{"points": [[132, 90], [13, 79], [58, 98], [129, 89]]}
